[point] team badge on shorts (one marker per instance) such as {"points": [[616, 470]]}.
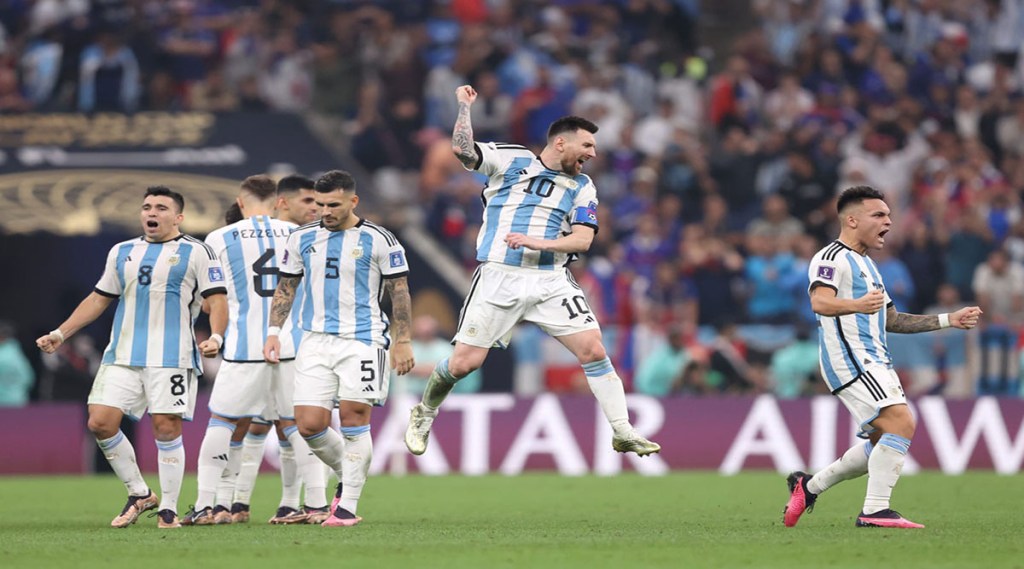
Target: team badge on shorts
{"points": [[827, 273], [216, 275]]}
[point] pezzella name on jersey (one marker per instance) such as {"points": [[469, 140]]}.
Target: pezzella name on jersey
{"points": [[260, 233]]}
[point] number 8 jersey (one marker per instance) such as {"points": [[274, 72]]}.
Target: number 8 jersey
{"points": [[159, 285], [524, 196], [250, 252]]}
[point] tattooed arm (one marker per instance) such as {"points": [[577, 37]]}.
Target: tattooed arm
{"points": [[462, 136], [401, 317], [284, 297], [903, 323]]}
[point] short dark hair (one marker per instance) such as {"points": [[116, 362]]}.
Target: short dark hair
{"points": [[260, 186], [857, 195], [335, 180], [233, 214], [570, 124], [165, 191], [294, 183]]}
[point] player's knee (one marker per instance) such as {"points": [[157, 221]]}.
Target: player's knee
{"points": [[592, 352], [462, 366], [102, 428], [308, 429], [166, 427]]}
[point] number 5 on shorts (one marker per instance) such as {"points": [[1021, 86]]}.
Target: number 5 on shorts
{"points": [[369, 370]]}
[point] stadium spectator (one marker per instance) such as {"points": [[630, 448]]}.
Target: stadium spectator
{"points": [[428, 348], [661, 372], [16, 374]]}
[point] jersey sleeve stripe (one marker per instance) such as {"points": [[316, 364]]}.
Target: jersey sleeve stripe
{"points": [[479, 156], [288, 275], [395, 276], [507, 145], [209, 250], [105, 293], [388, 236]]}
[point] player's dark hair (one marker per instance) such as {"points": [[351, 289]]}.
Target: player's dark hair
{"points": [[165, 191], [570, 124], [294, 183], [857, 195], [233, 214], [335, 180], [261, 187]]}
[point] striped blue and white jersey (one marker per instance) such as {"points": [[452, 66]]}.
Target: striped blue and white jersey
{"points": [[848, 343], [159, 285], [249, 251], [343, 276], [524, 196]]}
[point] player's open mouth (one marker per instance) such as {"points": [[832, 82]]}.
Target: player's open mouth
{"points": [[882, 234], [152, 224]]}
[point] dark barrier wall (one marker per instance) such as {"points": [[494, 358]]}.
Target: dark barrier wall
{"points": [[477, 434]]}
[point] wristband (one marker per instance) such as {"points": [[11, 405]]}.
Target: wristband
{"points": [[274, 331], [217, 338], [56, 332], [944, 320]]}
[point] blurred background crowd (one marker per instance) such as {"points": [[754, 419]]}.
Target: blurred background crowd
{"points": [[718, 164]]}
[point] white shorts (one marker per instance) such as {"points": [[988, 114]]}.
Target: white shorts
{"points": [[163, 390], [502, 296], [254, 389], [876, 388], [329, 369]]}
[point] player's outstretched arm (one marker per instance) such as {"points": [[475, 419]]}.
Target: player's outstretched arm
{"points": [[903, 323], [401, 317], [284, 297], [462, 136], [825, 302], [87, 311], [576, 242]]}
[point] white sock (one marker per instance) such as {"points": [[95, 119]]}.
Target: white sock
{"points": [[610, 394], [290, 486], [884, 469], [329, 447], [213, 459], [252, 457], [358, 454], [171, 456], [310, 469], [226, 487], [852, 464], [121, 455]]}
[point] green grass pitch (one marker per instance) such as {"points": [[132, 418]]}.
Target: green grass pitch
{"points": [[538, 520]]}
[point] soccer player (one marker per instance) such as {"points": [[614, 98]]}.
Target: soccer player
{"points": [[345, 264], [246, 385], [152, 360], [295, 204], [854, 314], [540, 211]]}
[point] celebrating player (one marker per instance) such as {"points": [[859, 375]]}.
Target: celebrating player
{"points": [[152, 359], [854, 313], [246, 385], [345, 263], [539, 212]]}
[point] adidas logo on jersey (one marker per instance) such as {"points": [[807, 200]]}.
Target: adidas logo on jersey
{"points": [[367, 388]]}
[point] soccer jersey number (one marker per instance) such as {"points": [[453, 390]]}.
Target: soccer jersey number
{"points": [[145, 275], [369, 372], [177, 385], [333, 270], [261, 269], [579, 303], [542, 187]]}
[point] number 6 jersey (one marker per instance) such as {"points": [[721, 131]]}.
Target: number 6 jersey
{"points": [[250, 252], [161, 287], [524, 196]]}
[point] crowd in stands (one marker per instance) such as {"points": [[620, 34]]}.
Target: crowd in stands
{"points": [[717, 172]]}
